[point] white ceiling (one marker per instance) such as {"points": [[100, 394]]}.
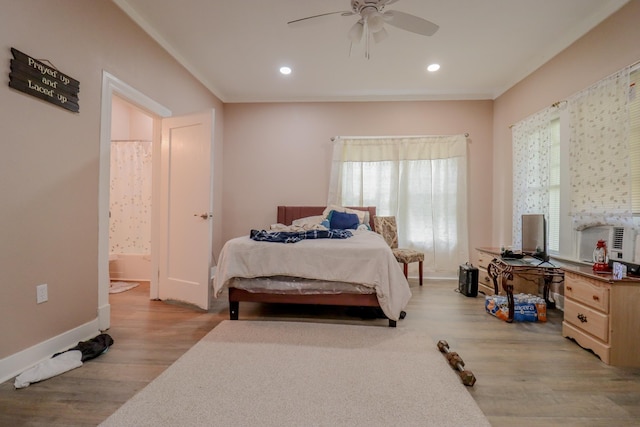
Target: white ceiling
{"points": [[235, 47]]}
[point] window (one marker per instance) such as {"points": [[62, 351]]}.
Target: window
{"points": [[634, 139], [595, 187], [555, 169], [531, 169], [419, 180]]}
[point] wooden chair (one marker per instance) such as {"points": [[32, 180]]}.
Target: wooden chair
{"points": [[387, 227]]}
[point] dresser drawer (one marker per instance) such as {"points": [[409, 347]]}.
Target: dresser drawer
{"points": [[484, 259], [587, 319], [484, 281], [603, 350], [483, 277], [587, 292]]}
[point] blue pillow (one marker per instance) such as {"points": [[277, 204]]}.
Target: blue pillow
{"points": [[343, 221]]}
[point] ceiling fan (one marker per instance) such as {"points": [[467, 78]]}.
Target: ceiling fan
{"points": [[373, 17]]}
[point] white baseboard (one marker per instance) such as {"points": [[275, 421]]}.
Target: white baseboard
{"points": [[15, 364], [104, 317]]}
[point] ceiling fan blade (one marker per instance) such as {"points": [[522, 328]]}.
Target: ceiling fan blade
{"points": [[298, 21], [410, 23], [388, 2]]}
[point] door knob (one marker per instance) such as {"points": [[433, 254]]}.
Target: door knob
{"points": [[205, 215]]}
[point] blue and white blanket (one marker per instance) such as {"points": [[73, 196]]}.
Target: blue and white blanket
{"points": [[296, 236]]}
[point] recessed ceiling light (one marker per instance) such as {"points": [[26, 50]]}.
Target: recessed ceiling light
{"points": [[285, 70], [433, 67]]}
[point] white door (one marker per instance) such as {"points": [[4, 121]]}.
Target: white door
{"points": [[186, 199]]}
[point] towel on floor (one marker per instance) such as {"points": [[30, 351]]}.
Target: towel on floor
{"points": [[49, 368]]}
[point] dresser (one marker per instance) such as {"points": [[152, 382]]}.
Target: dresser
{"points": [[603, 315]]}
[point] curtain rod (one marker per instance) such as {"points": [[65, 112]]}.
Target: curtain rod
{"points": [[632, 67], [131, 140], [333, 138]]}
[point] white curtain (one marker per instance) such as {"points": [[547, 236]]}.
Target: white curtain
{"points": [[422, 181], [599, 153], [130, 198], [531, 164]]}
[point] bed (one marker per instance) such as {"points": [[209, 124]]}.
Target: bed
{"points": [[359, 271]]}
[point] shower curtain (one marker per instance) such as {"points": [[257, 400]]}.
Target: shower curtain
{"points": [[130, 198]]}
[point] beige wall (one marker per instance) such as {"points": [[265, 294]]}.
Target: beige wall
{"points": [[280, 154], [607, 48], [129, 122], [49, 161]]}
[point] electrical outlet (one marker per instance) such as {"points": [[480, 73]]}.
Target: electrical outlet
{"points": [[42, 294]]}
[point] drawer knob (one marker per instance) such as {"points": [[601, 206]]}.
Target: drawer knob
{"points": [[582, 318], [596, 298], [569, 288]]}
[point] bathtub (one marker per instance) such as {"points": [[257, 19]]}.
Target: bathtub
{"points": [[130, 267]]}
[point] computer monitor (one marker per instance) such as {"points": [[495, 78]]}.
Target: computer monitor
{"points": [[534, 236]]}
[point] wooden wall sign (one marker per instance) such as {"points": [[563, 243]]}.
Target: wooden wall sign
{"points": [[37, 79]]}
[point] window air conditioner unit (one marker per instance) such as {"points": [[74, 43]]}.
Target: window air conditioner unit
{"points": [[620, 242]]}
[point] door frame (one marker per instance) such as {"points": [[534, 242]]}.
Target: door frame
{"points": [[111, 85]]}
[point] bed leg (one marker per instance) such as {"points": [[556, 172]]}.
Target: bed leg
{"points": [[234, 307], [392, 323]]}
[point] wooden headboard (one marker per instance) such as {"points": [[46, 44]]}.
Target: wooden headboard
{"points": [[287, 214]]}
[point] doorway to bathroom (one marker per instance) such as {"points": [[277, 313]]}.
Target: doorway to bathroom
{"points": [[130, 196], [181, 257]]}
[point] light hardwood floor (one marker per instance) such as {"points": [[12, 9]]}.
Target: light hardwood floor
{"points": [[527, 374]]}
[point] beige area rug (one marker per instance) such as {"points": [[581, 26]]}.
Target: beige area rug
{"points": [[117, 287], [267, 373]]}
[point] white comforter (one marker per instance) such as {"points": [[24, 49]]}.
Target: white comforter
{"points": [[364, 258]]}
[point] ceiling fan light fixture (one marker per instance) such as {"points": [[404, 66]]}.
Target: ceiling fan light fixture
{"points": [[378, 36], [375, 20], [372, 20]]}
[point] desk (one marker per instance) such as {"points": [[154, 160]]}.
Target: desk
{"points": [[502, 271]]}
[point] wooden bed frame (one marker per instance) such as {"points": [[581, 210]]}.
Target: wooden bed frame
{"points": [[287, 214]]}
